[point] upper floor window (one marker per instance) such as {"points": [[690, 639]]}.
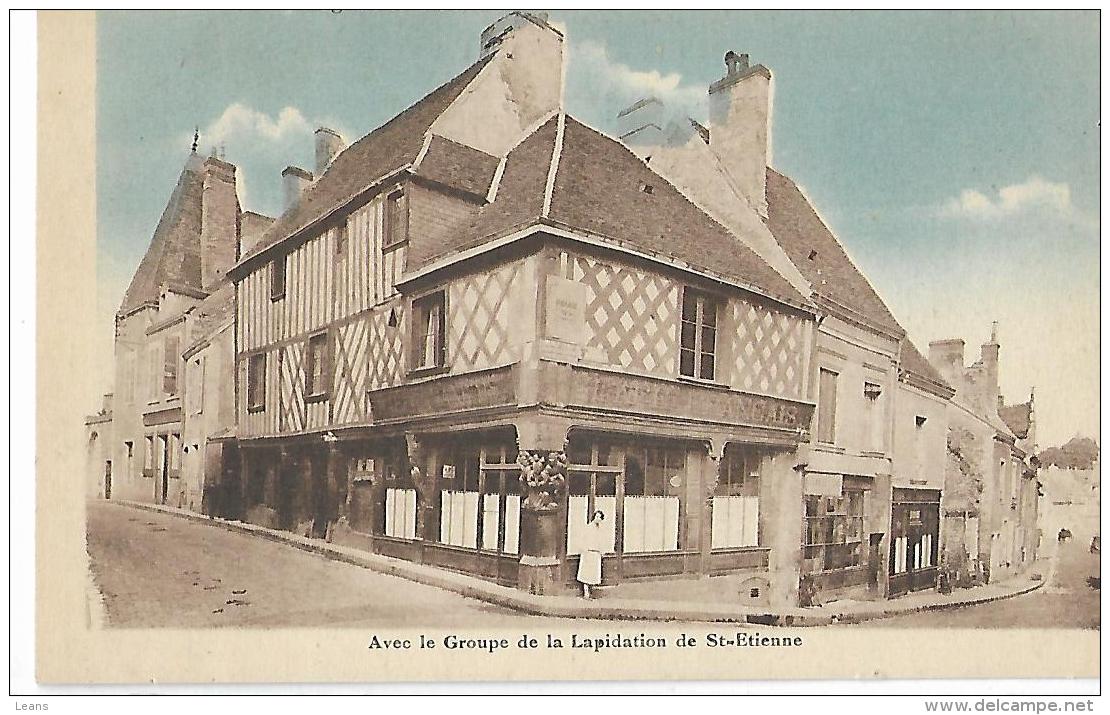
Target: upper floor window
{"points": [[169, 370], [277, 278], [698, 339], [194, 385], [316, 366], [256, 382], [429, 324], [341, 242], [873, 409], [826, 407], [395, 224]]}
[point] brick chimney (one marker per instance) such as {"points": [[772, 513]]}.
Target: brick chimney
{"points": [[947, 356], [218, 221], [641, 124], [294, 180], [492, 37], [328, 146], [740, 126], [989, 360]]}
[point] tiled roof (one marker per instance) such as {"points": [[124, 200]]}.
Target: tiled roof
{"points": [[913, 361], [599, 188], [174, 253], [818, 255], [1017, 418], [212, 313], [826, 265], [519, 200], [458, 166], [603, 188], [388, 148]]}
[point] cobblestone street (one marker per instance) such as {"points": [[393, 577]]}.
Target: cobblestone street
{"points": [[156, 570], [1068, 600]]}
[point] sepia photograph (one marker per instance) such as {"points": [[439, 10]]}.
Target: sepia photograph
{"points": [[524, 335]]}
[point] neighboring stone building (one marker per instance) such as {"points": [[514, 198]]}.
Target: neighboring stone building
{"points": [[990, 502], [178, 296], [98, 454]]}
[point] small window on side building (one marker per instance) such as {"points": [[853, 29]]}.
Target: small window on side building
{"points": [[395, 222], [429, 325], [316, 366], [826, 407], [256, 382], [277, 278]]}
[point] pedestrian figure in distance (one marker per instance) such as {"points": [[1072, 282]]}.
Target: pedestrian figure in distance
{"points": [[593, 546]]}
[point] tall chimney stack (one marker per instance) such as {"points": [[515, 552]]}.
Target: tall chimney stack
{"points": [[740, 126], [218, 221], [328, 145], [294, 180]]}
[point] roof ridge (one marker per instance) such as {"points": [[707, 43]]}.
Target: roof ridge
{"points": [[553, 167]]}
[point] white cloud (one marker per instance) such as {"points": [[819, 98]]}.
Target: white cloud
{"points": [[610, 86], [261, 145], [1033, 194]]}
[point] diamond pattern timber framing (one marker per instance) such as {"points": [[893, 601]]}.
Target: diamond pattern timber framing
{"points": [[385, 349], [631, 316], [349, 377], [292, 404], [478, 326], [768, 351]]}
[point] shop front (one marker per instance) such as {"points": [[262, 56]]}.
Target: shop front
{"points": [[842, 534], [915, 539]]}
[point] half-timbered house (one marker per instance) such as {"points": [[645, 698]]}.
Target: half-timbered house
{"points": [[485, 320]]}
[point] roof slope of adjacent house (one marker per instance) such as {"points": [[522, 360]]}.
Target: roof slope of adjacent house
{"points": [[173, 256], [821, 258], [602, 189], [392, 146], [1018, 418]]}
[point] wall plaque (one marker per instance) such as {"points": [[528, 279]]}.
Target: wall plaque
{"points": [[565, 310]]}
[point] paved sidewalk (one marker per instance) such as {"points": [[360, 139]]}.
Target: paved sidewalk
{"points": [[612, 606]]}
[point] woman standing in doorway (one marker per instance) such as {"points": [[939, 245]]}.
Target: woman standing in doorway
{"points": [[593, 546]]}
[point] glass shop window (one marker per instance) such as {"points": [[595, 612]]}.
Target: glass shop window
{"points": [[654, 478], [736, 500], [592, 486], [834, 531]]}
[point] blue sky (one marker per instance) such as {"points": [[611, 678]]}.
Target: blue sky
{"points": [[955, 154]]}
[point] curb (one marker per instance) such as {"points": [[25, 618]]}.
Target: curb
{"points": [[562, 606]]}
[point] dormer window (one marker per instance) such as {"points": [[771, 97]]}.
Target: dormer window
{"points": [[395, 223], [277, 278]]}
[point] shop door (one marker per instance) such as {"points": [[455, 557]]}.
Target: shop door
{"points": [[913, 547]]}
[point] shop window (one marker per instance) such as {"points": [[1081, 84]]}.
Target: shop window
{"points": [[736, 501], [826, 407], [277, 278], [429, 325], [500, 487], [834, 531], [698, 335], [592, 486], [400, 504], [654, 480], [317, 367], [458, 506], [256, 382], [396, 220]]}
